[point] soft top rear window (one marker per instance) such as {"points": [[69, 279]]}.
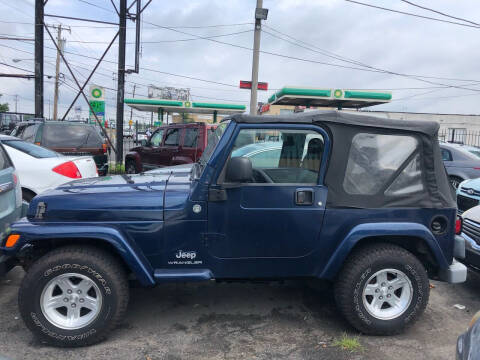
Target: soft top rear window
{"points": [[71, 136], [375, 159], [36, 151]]}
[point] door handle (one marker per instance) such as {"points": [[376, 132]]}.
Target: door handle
{"points": [[304, 197]]}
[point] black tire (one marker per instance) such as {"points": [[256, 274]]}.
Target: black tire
{"points": [[363, 264], [455, 181], [95, 264], [130, 167], [27, 195]]}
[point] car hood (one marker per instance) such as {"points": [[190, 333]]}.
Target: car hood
{"points": [[111, 198], [471, 184], [472, 214]]}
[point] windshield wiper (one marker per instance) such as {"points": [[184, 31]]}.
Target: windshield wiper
{"points": [[86, 140]]}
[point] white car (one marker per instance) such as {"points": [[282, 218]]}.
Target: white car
{"points": [[40, 169]]}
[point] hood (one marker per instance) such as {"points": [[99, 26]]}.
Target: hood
{"points": [[108, 199], [472, 214], [470, 184]]}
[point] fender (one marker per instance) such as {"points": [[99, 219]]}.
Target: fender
{"points": [[133, 155], [363, 231], [181, 160], [128, 251]]}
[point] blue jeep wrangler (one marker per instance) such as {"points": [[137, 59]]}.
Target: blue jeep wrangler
{"points": [[360, 201]]}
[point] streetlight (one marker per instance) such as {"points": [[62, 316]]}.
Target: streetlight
{"points": [[18, 60]]}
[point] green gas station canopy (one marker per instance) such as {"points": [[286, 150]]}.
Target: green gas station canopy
{"points": [[177, 106], [340, 98]]}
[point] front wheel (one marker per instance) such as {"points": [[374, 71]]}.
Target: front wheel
{"points": [[130, 167], [73, 296], [382, 289]]}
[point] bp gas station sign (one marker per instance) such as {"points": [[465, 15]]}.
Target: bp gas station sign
{"points": [[97, 103]]}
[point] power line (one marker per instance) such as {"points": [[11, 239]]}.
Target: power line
{"points": [[412, 14], [131, 27], [346, 59], [368, 67], [439, 12]]}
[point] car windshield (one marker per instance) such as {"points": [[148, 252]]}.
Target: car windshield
{"points": [[71, 135], [475, 152], [31, 149], [213, 137]]}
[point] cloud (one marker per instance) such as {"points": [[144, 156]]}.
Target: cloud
{"points": [[381, 39]]}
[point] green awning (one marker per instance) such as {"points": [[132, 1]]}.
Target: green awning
{"points": [[313, 97]]}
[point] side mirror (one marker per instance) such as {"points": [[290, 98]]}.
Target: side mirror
{"points": [[239, 169]]}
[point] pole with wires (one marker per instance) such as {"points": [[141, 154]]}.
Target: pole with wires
{"points": [[39, 58], [61, 46], [260, 14], [121, 78]]}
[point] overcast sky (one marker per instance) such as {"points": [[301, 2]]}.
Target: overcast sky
{"points": [[377, 38]]}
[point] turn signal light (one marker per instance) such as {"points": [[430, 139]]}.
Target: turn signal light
{"points": [[104, 147], [458, 225], [12, 240], [68, 169]]}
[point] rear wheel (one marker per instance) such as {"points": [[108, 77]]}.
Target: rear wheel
{"points": [[73, 296], [455, 181], [382, 289], [130, 167]]}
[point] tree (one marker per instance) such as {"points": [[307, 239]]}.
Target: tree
{"points": [[3, 107]]}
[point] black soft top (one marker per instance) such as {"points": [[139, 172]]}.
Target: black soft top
{"points": [[436, 191], [429, 128]]}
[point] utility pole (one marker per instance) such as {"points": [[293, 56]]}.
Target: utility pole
{"points": [[260, 14], [61, 46], [16, 101], [39, 58], [131, 109], [121, 78]]}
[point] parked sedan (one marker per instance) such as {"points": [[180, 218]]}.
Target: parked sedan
{"points": [[461, 162], [10, 201], [468, 344], [41, 169]]}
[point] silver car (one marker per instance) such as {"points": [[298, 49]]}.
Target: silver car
{"points": [[10, 202], [462, 162]]}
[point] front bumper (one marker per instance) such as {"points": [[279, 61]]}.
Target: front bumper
{"points": [[472, 252]]}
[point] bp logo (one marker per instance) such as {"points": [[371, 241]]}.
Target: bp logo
{"points": [[338, 93], [187, 104], [97, 93]]}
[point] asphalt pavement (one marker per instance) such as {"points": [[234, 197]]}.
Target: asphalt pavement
{"points": [[291, 320]]}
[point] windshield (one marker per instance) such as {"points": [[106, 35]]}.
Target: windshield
{"points": [[71, 136], [31, 149], [213, 137], [475, 152]]}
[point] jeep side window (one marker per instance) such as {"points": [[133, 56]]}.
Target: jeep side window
{"points": [[295, 158], [156, 139], [375, 160]]}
